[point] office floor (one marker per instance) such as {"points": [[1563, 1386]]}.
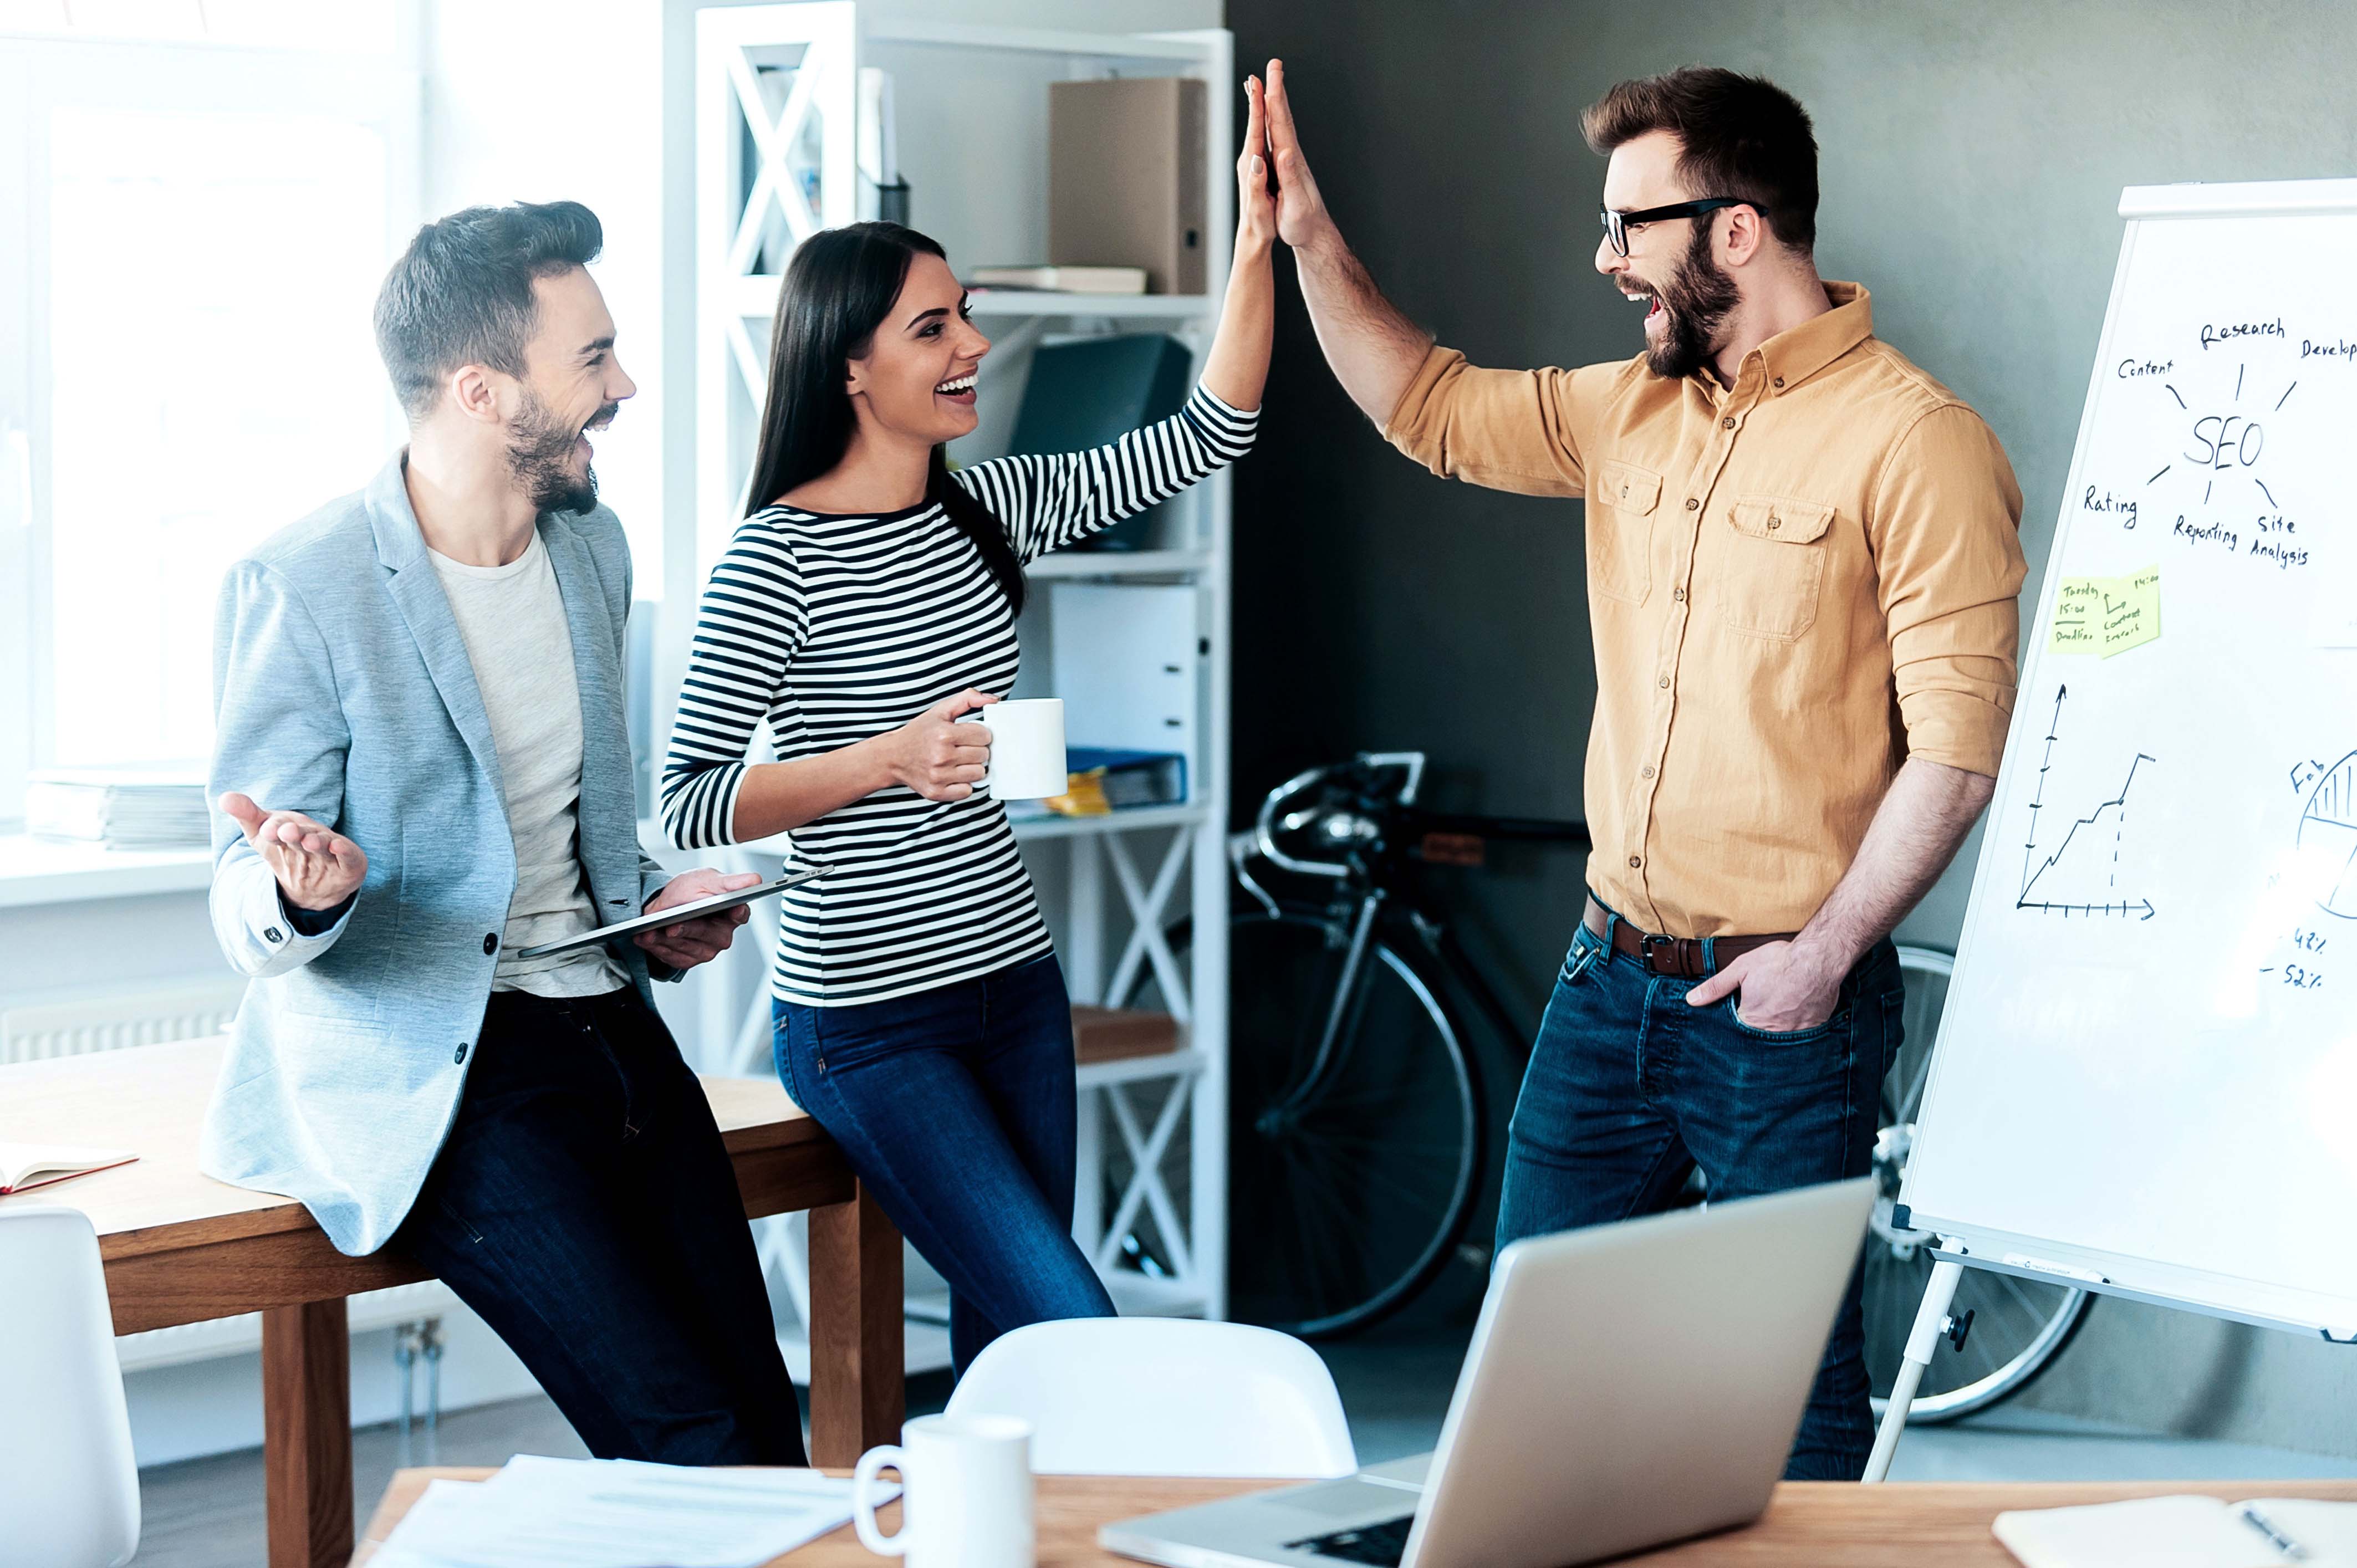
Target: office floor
{"points": [[207, 1513]]}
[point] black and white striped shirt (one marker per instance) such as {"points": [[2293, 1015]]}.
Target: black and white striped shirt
{"points": [[838, 628]]}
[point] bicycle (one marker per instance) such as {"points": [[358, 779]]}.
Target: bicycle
{"points": [[1358, 1129]]}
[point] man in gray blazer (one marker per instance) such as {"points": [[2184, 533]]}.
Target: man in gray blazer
{"points": [[422, 771]]}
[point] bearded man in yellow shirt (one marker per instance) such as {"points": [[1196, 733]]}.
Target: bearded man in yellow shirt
{"points": [[1803, 558]]}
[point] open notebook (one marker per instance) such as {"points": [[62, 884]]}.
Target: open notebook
{"points": [[24, 1165], [2184, 1532]]}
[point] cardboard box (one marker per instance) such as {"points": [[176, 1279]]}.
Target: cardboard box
{"points": [[1126, 179]]}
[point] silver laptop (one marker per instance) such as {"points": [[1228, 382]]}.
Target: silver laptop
{"points": [[1627, 1385]]}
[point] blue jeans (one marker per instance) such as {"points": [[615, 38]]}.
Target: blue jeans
{"points": [[958, 1108], [1629, 1088], [584, 1205]]}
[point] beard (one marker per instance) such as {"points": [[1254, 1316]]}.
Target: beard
{"points": [[1695, 300], [540, 457]]}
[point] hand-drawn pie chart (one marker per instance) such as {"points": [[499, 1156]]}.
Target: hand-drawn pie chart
{"points": [[2328, 833]]}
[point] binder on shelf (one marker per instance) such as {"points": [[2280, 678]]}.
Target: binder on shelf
{"points": [[1091, 392], [1128, 660], [1125, 178], [1104, 781]]}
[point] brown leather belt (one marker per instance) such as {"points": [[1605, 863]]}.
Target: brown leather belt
{"points": [[1674, 958]]}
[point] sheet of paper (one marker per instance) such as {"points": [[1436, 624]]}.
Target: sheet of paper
{"points": [[2078, 615], [567, 1513], [2131, 610], [2106, 615]]}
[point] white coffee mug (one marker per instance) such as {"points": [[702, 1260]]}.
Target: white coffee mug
{"points": [[965, 1493], [1026, 748]]}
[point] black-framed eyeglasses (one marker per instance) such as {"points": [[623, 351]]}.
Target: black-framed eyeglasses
{"points": [[1616, 224]]}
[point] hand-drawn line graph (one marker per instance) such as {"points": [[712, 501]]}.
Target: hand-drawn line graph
{"points": [[2086, 833], [2328, 829]]}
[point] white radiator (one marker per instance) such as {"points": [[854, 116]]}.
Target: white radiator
{"points": [[66, 1024], [107, 1019]]}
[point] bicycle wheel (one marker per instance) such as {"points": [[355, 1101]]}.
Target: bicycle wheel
{"points": [[1347, 1192], [2018, 1326]]}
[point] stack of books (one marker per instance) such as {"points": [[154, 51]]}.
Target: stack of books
{"points": [[120, 809]]}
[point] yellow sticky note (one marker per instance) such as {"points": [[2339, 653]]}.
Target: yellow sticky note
{"points": [[2131, 610], [2106, 615], [2078, 615]]}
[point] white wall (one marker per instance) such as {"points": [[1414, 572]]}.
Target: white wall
{"points": [[536, 100]]}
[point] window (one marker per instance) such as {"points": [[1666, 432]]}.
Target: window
{"points": [[199, 235], [212, 379]]}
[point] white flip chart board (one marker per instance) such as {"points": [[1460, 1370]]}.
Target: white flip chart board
{"points": [[2147, 1071]]}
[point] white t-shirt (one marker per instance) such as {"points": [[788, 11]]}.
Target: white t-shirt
{"points": [[512, 620]]}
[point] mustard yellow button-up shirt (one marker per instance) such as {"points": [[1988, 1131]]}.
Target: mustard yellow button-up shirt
{"points": [[1796, 583]]}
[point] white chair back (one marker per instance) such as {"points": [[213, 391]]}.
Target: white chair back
{"points": [[68, 1485], [1163, 1396]]}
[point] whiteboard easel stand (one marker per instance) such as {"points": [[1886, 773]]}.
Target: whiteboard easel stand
{"points": [[1955, 1254], [1931, 1324], [1954, 1249]]}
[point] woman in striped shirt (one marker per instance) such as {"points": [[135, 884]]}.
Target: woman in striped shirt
{"points": [[866, 608]]}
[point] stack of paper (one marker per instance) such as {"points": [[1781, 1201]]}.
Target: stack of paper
{"points": [[120, 809], [616, 1513]]}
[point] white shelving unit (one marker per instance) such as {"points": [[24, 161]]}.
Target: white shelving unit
{"points": [[777, 159]]}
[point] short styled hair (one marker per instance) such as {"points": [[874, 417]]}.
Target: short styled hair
{"points": [[1743, 137], [462, 294]]}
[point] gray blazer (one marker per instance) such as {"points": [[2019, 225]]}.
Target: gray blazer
{"points": [[342, 690]]}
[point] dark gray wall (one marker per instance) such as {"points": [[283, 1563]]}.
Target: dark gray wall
{"points": [[1972, 159]]}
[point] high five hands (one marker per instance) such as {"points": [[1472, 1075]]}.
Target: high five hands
{"points": [[1301, 217], [317, 868]]}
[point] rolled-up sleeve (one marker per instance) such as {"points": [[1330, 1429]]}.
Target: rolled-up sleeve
{"points": [[1945, 530], [1506, 430]]}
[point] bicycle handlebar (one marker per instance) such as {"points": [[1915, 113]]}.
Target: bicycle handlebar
{"points": [[1264, 832], [1265, 839]]}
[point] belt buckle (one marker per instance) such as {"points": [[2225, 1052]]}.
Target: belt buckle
{"points": [[1649, 944]]}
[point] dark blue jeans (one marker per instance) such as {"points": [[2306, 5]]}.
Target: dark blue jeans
{"points": [[585, 1206], [959, 1110], [1629, 1088]]}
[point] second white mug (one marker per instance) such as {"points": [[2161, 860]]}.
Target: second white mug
{"points": [[965, 1493]]}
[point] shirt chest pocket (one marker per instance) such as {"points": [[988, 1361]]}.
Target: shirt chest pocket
{"points": [[1776, 565], [1620, 507]]}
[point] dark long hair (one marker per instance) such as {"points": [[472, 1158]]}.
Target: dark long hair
{"points": [[839, 288]]}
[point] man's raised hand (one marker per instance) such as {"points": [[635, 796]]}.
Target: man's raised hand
{"points": [[317, 868], [1301, 215]]}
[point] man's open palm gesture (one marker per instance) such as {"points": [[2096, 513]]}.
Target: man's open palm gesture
{"points": [[317, 868]]}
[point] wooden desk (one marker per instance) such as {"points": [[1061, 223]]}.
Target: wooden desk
{"points": [[1810, 1524], [182, 1248]]}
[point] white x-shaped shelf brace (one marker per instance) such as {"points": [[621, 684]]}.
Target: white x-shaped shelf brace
{"points": [[1116, 1080], [774, 136], [776, 183]]}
